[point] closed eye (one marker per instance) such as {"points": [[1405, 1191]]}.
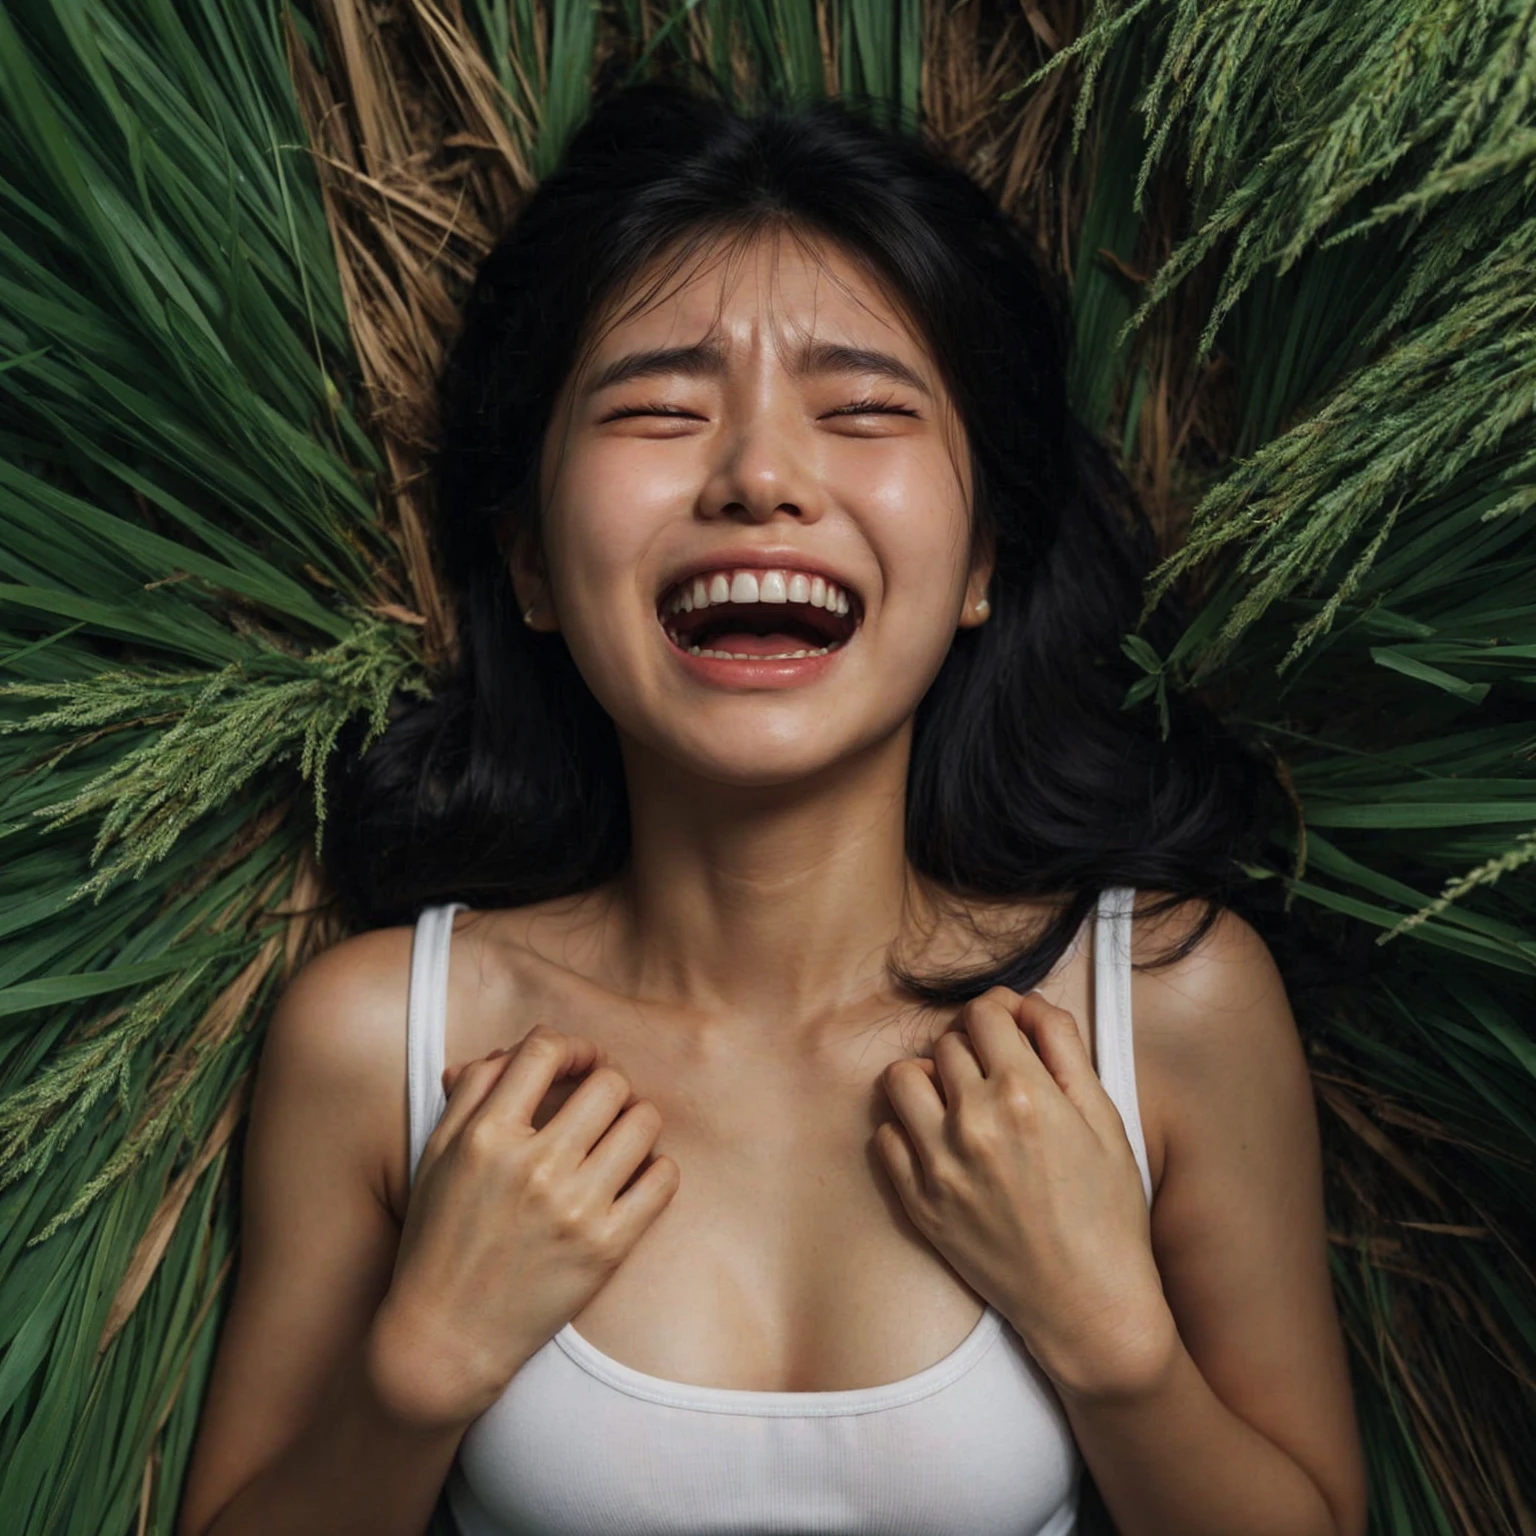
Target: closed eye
{"points": [[873, 408], [855, 408], [650, 410]]}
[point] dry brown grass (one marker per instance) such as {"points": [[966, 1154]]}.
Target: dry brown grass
{"points": [[419, 169], [1431, 1342]]}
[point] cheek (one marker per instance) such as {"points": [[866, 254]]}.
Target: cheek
{"points": [[606, 509], [918, 516]]}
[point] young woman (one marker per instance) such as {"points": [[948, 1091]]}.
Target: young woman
{"points": [[733, 1120]]}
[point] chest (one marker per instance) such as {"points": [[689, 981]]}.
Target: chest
{"points": [[786, 1261]]}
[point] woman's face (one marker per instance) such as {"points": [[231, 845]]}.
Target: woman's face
{"points": [[756, 536]]}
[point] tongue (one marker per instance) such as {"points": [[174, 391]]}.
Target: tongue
{"points": [[739, 643]]}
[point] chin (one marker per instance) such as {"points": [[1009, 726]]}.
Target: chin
{"points": [[768, 738], [759, 765], [735, 753]]}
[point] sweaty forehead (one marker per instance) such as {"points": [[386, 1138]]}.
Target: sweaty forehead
{"points": [[773, 290]]}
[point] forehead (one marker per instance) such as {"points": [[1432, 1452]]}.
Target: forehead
{"points": [[759, 288]]}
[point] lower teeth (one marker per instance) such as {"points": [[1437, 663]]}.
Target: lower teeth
{"points": [[694, 650]]}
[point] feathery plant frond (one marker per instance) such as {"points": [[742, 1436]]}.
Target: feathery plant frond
{"points": [[219, 732], [60, 1100], [1425, 133], [1281, 130], [1523, 853], [1454, 398]]}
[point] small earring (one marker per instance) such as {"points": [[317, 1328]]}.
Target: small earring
{"points": [[983, 608], [528, 614]]}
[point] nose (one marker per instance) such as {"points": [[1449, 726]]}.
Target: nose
{"points": [[762, 473]]}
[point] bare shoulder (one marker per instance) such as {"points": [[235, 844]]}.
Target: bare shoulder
{"points": [[1215, 1036], [1221, 1070], [343, 1013], [336, 1045], [1224, 990], [340, 989]]}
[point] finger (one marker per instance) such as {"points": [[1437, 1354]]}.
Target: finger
{"points": [[644, 1201], [957, 1065], [1058, 1043], [588, 1115], [541, 1056], [451, 1074], [991, 1021], [914, 1095], [901, 1163], [472, 1085], [930, 1067], [579, 1063], [623, 1146]]}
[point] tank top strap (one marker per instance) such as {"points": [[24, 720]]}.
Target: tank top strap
{"points": [[426, 1018], [1113, 1040]]}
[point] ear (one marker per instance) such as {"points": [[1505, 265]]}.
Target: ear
{"points": [[977, 606], [525, 564]]}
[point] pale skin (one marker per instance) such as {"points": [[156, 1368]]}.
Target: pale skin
{"points": [[718, 1139]]}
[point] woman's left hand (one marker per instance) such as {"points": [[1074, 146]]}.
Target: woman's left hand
{"points": [[1023, 1177]]}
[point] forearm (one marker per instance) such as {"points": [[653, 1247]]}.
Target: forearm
{"points": [[361, 1466], [1174, 1460]]}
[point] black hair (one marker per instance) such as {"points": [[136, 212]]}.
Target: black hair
{"points": [[1028, 779]]}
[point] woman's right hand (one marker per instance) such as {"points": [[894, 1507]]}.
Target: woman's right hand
{"points": [[511, 1229]]}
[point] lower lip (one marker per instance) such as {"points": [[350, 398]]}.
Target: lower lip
{"points": [[759, 673]]}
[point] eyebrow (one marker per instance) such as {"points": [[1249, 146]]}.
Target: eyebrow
{"points": [[706, 359], [702, 360], [820, 357]]}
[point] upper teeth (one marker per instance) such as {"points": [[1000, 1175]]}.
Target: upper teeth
{"points": [[757, 587]]}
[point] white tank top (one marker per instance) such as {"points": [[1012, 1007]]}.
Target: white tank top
{"points": [[581, 1445]]}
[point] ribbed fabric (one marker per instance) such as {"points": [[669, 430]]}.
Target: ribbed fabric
{"points": [[582, 1445]]}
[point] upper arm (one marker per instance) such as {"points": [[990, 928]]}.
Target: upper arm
{"points": [[1238, 1227], [317, 1235]]}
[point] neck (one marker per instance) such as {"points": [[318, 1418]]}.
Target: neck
{"points": [[765, 907]]}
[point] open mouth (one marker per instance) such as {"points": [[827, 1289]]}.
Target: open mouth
{"points": [[758, 615]]}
